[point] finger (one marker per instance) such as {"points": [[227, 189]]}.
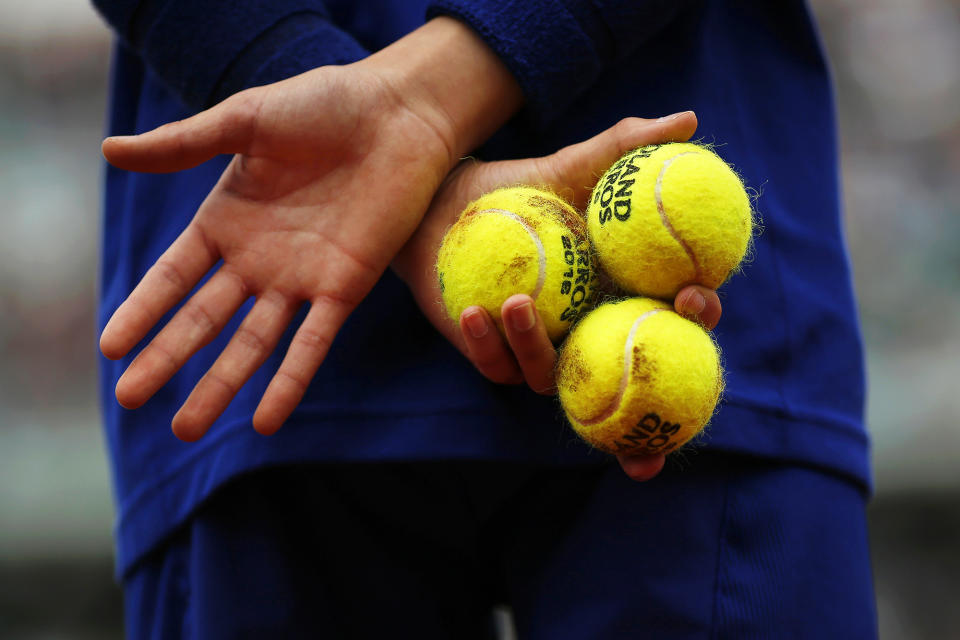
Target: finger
{"points": [[700, 304], [165, 284], [226, 128], [253, 342], [578, 166], [307, 350], [486, 348], [642, 468], [528, 339], [193, 326]]}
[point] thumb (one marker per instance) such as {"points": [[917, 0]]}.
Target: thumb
{"points": [[225, 128], [578, 166]]}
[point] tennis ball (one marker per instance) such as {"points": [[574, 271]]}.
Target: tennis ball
{"points": [[518, 240], [665, 216], [636, 378]]}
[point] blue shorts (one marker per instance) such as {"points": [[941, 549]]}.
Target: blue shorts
{"points": [[717, 546]]}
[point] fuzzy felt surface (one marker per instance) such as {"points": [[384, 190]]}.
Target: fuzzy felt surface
{"points": [[518, 240], [665, 216], [635, 377]]}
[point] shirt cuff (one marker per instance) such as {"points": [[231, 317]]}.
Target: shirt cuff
{"points": [[553, 56], [558, 49]]}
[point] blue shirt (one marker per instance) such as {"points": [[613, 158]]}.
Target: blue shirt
{"points": [[753, 71]]}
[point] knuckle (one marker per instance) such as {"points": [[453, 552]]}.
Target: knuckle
{"points": [[251, 339], [169, 271], [526, 352], [241, 109], [310, 340], [299, 384], [628, 124], [508, 378], [167, 359], [199, 317], [624, 133], [535, 354], [489, 365], [237, 282], [280, 302], [216, 378], [495, 370]]}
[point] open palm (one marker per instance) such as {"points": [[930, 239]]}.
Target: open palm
{"points": [[329, 179]]}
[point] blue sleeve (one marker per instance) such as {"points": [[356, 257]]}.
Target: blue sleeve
{"points": [[557, 48], [206, 50]]}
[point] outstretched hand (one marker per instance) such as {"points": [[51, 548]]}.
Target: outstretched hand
{"points": [[332, 173], [527, 355]]}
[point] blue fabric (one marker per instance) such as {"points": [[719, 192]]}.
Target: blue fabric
{"points": [[558, 49], [755, 74], [719, 547], [205, 51]]}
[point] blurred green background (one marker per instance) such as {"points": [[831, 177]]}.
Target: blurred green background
{"points": [[897, 68]]}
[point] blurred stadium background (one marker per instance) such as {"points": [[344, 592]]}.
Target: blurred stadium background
{"points": [[897, 67]]}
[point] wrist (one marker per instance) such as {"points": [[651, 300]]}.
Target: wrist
{"points": [[447, 75]]}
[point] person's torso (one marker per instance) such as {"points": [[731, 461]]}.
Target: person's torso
{"points": [[754, 73]]}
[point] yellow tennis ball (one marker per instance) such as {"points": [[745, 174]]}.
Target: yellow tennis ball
{"points": [[518, 240], [636, 378], [665, 216]]}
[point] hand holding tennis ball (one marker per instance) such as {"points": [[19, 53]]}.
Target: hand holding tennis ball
{"points": [[529, 356], [634, 377]]}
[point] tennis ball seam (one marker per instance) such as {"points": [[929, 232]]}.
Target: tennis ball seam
{"points": [[614, 405], [538, 243], [665, 219]]}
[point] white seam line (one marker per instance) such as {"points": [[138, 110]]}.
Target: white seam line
{"points": [[627, 364], [666, 220], [541, 254]]}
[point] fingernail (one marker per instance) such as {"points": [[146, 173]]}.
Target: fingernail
{"points": [[523, 318], [695, 303], [672, 116], [476, 325]]}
